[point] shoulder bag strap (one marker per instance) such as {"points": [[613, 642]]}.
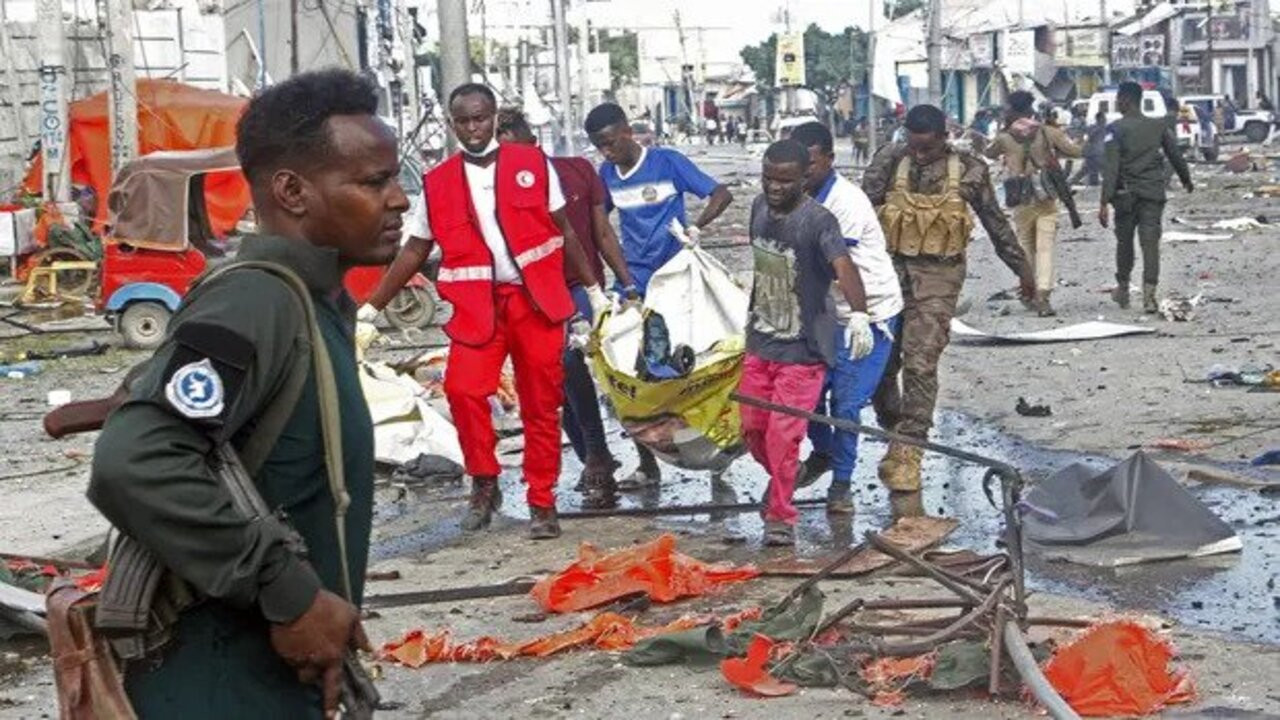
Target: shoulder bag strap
{"points": [[326, 391]]}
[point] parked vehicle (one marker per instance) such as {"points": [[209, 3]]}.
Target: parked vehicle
{"points": [[160, 241], [642, 132], [1255, 125]]}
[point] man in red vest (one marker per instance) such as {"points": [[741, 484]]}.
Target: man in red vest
{"points": [[497, 212]]}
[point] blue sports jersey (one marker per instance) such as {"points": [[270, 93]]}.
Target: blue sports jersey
{"points": [[647, 199]]}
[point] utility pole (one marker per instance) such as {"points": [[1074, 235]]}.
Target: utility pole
{"points": [[455, 57], [585, 93], [13, 84], [293, 37], [122, 99], [935, 52], [872, 124], [1106, 42], [563, 89], [54, 124], [1209, 81]]}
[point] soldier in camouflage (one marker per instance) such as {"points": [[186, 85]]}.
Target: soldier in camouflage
{"points": [[923, 190]]}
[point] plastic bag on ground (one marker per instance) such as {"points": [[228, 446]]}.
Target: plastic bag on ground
{"points": [[654, 568], [404, 423], [1118, 669], [687, 421]]}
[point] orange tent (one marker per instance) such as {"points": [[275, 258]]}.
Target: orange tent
{"points": [[171, 116]]}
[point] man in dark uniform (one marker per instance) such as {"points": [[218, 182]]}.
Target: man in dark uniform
{"points": [[923, 190], [1133, 182], [269, 637]]}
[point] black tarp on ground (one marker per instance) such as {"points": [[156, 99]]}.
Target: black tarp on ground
{"points": [[1134, 512]]}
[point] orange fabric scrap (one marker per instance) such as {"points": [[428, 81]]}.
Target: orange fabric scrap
{"points": [[654, 568], [887, 677], [1118, 668], [749, 673], [606, 631]]}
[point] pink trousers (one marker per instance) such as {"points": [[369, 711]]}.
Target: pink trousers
{"points": [[773, 438]]}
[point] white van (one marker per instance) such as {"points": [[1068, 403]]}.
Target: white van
{"points": [[1154, 106]]}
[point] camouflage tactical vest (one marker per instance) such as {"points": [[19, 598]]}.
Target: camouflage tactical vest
{"points": [[919, 224]]}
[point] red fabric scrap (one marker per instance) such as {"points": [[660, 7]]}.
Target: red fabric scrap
{"points": [[1118, 668], [749, 673], [654, 568]]}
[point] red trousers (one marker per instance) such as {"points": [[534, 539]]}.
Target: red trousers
{"points": [[773, 438], [535, 346]]}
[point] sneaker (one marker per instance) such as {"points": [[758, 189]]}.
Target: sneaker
{"points": [[642, 479], [779, 534], [813, 467], [485, 498], [840, 499], [544, 524]]}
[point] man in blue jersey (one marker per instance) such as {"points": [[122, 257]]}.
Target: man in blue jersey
{"points": [[647, 186], [851, 382]]}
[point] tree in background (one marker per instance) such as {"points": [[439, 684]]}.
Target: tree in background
{"points": [[902, 7], [829, 60], [624, 56]]}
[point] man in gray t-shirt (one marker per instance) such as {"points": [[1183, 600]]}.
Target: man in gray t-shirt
{"points": [[790, 321], [798, 251]]}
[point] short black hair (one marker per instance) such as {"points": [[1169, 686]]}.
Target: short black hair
{"points": [[787, 151], [286, 122], [603, 116], [813, 134], [1021, 101], [1130, 90], [512, 121], [926, 119], [472, 88]]}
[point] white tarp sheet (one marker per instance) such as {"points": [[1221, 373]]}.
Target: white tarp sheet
{"points": [[404, 423], [1092, 330]]}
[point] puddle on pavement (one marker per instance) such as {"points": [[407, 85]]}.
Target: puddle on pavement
{"points": [[1231, 594]]}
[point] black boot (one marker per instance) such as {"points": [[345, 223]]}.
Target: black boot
{"points": [[485, 498], [543, 523]]}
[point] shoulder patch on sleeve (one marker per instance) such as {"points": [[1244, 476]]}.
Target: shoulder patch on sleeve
{"points": [[206, 371], [196, 390]]}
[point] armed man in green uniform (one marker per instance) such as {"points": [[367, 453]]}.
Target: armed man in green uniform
{"points": [[1133, 182], [268, 638], [923, 190]]}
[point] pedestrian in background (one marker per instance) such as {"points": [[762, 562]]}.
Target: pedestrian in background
{"points": [[1028, 148], [1133, 183], [1091, 170]]}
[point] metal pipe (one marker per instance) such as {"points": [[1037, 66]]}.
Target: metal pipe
{"points": [[678, 510], [1016, 645]]}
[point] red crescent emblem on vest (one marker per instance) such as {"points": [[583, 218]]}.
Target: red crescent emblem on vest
{"points": [[524, 179]]}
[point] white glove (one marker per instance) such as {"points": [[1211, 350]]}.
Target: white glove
{"points": [[367, 313], [366, 335], [695, 235], [599, 302], [858, 337], [579, 333]]}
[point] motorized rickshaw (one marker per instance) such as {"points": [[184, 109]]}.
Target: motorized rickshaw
{"points": [[160, 240]]}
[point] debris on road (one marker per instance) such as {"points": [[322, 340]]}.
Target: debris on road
{"points": [[1178, 236], [1177, 308], [654, 568], [20, 370], [1135, 512], [1026, 409], [1091, 330], [914, 534], [1118, 668]]}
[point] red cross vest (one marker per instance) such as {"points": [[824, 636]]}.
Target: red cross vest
{"points": [[533, 239]]}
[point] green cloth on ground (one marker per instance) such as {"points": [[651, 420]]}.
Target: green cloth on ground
{"points": [[697, 646]]}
